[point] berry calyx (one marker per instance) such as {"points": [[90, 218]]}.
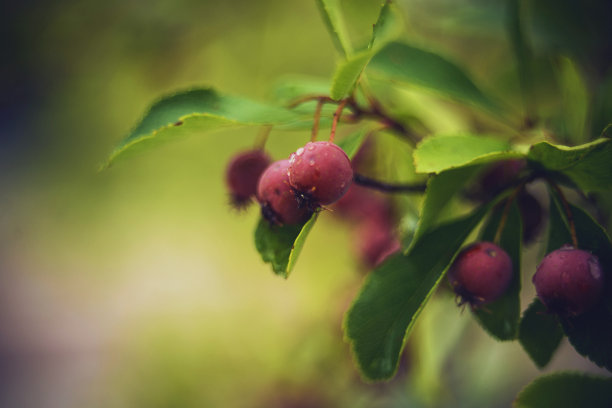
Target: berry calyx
{"points": [[278, 203], [569, 281], [242, 175], [320, 173], [481, 273]]}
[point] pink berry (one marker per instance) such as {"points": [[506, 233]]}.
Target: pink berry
{"points": [[481, 273], [360, 202], [277, 198], [320, 173], [375, 239], [569, 281], [242, 175]]}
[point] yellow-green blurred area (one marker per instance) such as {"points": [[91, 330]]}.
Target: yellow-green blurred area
{"points": [[139, 286]]}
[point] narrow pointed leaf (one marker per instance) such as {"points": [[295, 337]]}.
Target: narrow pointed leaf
{"points": [[280, 246], [194, 112], [386, 28], [567, 390], [331, 13], [539, 333], [500, 318], [402, 62], [394, 294]]}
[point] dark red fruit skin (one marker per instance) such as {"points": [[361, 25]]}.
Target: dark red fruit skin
{"points": [[320, 173], [532, 215], [278, 203], [375, 239], [481, 273], [501, 175], [242, 175], [569, 281], [359, 203]]}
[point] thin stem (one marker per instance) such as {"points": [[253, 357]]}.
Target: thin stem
{"points": [[316, 120], [506, 212], [309, 98], [368, 182], [568, 212], [262, 137], [337, 115]]}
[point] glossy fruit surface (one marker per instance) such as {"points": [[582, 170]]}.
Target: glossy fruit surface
{"points": [[569, 281], [278, 202], [320, 172], [242, 175], [481, 273]]}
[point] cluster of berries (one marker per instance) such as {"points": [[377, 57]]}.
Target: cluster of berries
{"points": [[568, 281], [290, 190]]}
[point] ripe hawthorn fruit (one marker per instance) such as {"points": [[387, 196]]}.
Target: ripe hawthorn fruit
{"points": [[481, 273], [320, 173], [375, 240], [532, 215], [242, 175], [276, 197], [569, 281]]}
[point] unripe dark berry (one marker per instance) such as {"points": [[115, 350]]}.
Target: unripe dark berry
{"points": [[320, 173], [501, 175], [277, 199], [242, 175], [569, 281], [375, 239], [532, 215], [481, 273]]}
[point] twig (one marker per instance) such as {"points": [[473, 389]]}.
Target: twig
{"points": [[368, 182], [337, 115]]}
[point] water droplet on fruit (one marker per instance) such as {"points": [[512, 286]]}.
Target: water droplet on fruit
{"points": [[311, 162], [310, 148], [300, 151]]}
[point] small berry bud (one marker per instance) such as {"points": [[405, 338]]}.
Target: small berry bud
{"points": [[242, 175]]}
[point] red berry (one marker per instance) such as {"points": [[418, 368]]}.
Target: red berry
{"points": [[242, 175], [320, 173], [277, 198], [481, 273], [531, 215], [360, 202], [375, 240], [569, 281], [498, 177]]}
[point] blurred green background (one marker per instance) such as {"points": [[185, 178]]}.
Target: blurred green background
{"points": [[138, 286]]}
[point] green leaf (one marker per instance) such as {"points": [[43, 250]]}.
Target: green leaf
{"points": [[435, 154], [566, 390], [351, 143], [591, 332], [402, 62], [394, 294], [539, 333], [196, 111], [523, 56], [280, 246], [290, 88], [441, 189], [334, 21], [500, 318], [347, 73], [386, 28], [588, 166]]}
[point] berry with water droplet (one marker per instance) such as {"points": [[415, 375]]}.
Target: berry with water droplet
{"points": [[569, 281], [278, 203], [320, 173], [481, 273]]}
